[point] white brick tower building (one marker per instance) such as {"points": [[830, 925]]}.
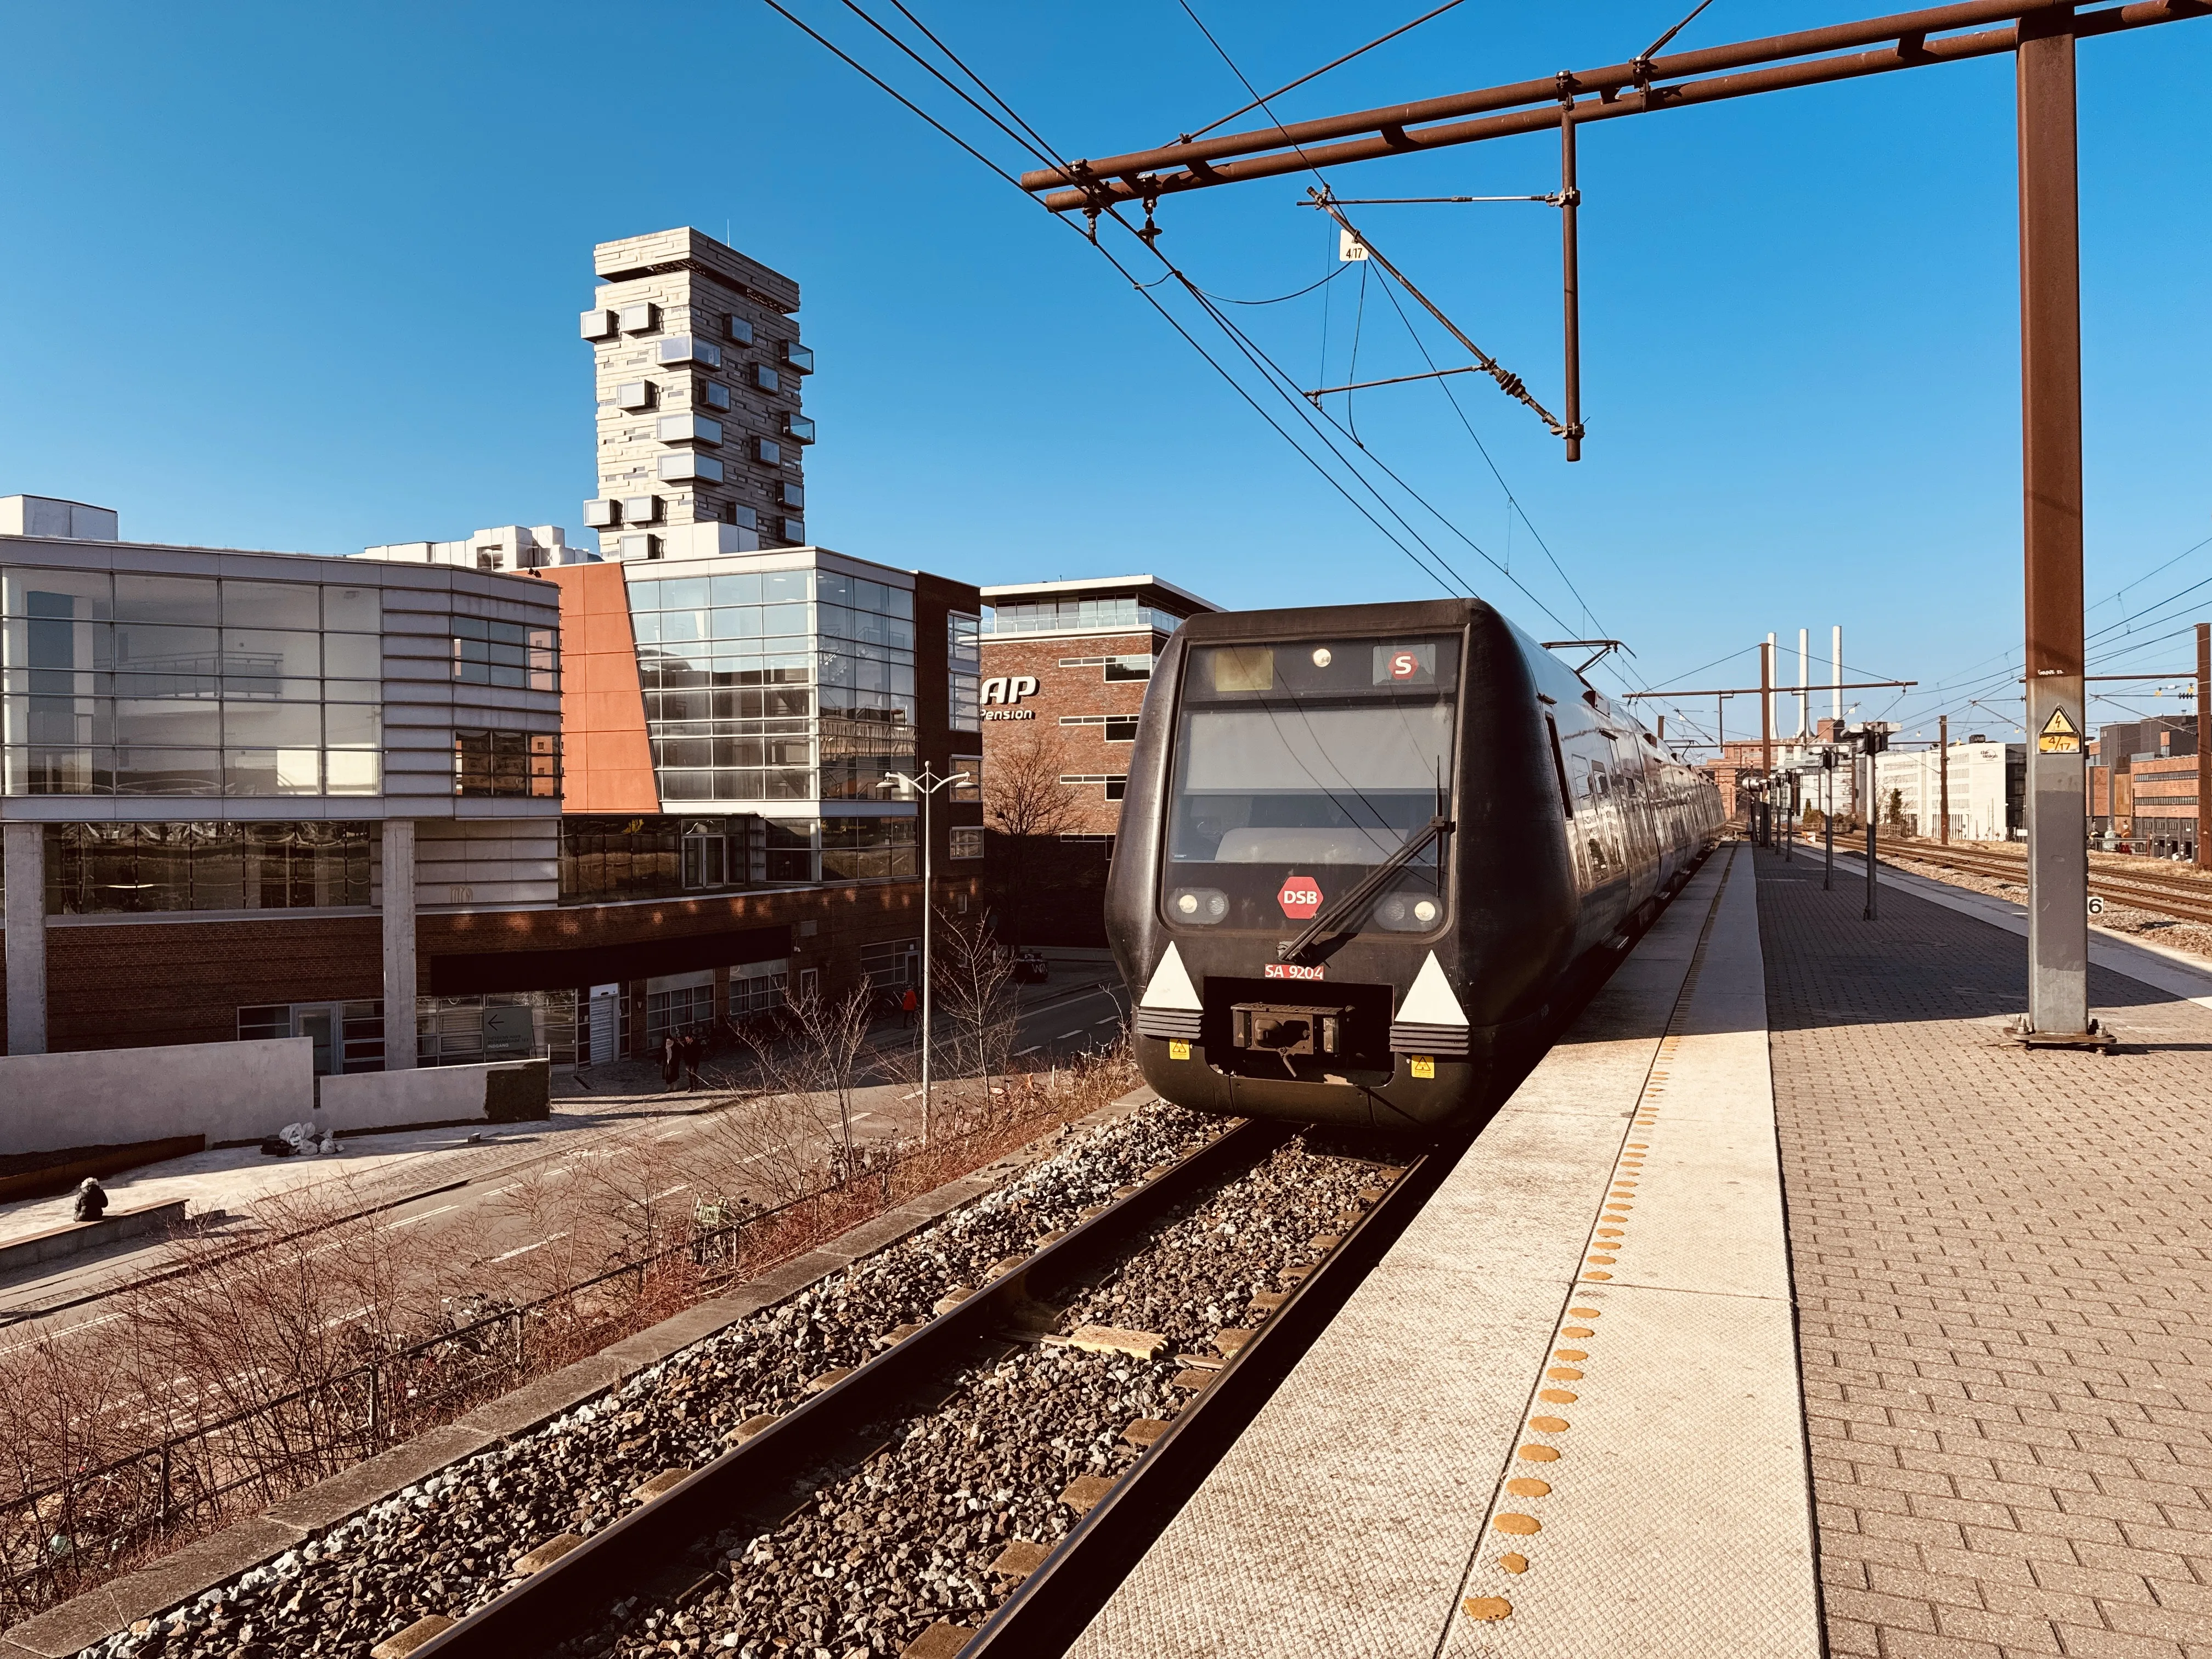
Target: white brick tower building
{"points": [[698, 369]]}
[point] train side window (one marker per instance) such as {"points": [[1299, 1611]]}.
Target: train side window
{"points": [[1560, 766]]}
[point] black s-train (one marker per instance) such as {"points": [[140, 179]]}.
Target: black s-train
{"points": [[1363, 847]]}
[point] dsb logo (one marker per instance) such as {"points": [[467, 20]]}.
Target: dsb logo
{"points": [[1300, 898]]}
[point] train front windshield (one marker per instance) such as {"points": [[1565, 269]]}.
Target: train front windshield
{"points": [[1299, 768]]}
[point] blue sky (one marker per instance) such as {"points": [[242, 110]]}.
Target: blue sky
{"points": [[307, 277]]}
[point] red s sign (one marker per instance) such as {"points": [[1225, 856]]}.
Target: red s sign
{"points": [[1404, 665]]}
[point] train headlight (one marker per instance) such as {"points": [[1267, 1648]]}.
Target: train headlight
{"points": [[1201, 907], [1408, 913]]}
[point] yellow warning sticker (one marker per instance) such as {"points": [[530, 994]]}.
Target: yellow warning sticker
{"points": [[1178, 1051], [1422, 1065], [2059, 735]]}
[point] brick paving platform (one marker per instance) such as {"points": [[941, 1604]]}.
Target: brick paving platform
{"points": [[2004, 1291]]}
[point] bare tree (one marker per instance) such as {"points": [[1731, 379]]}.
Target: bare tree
{"points": [[820, 1055], [973, 980], [1025, 800]]}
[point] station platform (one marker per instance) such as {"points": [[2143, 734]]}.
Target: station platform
{"points": [[1786, 1309]]}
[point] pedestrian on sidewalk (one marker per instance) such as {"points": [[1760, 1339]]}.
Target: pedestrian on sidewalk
{"points": [[693, 1049], [907, 1006], [91, 1200], [671, 1060]]}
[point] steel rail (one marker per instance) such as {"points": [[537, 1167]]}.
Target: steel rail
{"points": [[1398, 130], [764, 1479], [2176, 896], [1054, 1603]]}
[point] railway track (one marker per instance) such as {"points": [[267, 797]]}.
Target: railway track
{"points": [[2183, 897], [834, 1495]]}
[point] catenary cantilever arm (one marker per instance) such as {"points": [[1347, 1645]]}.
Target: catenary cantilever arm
{"points": [[1331, 918]]}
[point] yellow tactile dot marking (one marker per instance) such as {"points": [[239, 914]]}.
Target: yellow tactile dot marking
{"points": [[1625, 1184]]}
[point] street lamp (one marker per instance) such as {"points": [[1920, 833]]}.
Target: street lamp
{"points": [[926, 784]]}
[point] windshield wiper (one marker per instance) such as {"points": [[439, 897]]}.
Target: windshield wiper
{"points": [[1331, 918]]}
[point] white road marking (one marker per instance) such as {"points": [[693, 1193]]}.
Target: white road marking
{"points": [[681, 1186], [525, 1249], [66, 1330], [394, 1225], [1031, 1050]]}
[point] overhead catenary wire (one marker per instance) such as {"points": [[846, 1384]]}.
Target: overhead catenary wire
{"points": [[1297, 294], [1141, 288], [1428, 559], [1292, 86], [1322, 195], [1512, 501]]}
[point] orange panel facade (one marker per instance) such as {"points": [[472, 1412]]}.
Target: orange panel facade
{"points": [[606, 762]]}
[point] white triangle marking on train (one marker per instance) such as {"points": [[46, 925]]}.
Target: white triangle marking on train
{"points": [[1171, 987], [1431, 1002]]}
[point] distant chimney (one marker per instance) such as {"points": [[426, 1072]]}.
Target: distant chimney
{"points": [[43, 515]]}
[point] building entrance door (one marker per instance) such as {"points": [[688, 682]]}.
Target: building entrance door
{"points": [[321, 1026], [605, 1024]]}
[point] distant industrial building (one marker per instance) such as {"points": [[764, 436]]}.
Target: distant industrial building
{"points": [[1985, 782], [1741, 760], [2144, 783]]}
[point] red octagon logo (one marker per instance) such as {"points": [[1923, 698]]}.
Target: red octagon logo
{"points": [[1300, 898]]}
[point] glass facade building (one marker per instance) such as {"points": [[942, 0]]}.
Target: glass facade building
{"points": [[772, 686], [135, 869], [128, 683], [1123, 614]]}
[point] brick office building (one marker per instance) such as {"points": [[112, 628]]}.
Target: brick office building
{"points": [[2142, 783], [1066, 666]]}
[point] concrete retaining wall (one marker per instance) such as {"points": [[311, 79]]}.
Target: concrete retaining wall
{"points": [[432, 1094], [233, 1092], [101, 1096]]}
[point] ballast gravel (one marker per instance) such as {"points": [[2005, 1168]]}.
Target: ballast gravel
{"points": [[447, 1545], [912, 1537]]}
